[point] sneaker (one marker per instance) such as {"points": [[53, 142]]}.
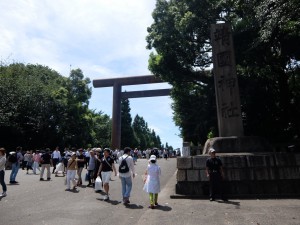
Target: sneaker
{"points": [[126, 200], [211, 199], [48, 178], [106, 198], [3, 194], [41, 179]]}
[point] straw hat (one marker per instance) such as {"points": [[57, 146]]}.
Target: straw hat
{"points": [[3, 151]]}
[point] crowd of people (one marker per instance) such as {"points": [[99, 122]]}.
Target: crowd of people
{"points": [[99, 163]]}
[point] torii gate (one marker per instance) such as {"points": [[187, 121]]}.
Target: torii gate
{"points": [[117, 84]]}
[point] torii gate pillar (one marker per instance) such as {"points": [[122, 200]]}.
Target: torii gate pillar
{"points": [[116, 115]]}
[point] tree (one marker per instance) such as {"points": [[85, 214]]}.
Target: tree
{"points": [[127, 135], [75, 124], [264, 33], [144, 136], [100, 130], [27, 104], [40, 108]]}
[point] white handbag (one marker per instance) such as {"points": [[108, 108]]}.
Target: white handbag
{"points": [[98, 184]]}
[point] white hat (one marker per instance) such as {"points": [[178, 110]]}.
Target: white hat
{"points": [[211, 150], [152, 157], [12, 153]]}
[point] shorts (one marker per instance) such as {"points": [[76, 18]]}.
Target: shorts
{"points": [[106, 177]]}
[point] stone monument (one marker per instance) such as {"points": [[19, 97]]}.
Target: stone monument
{"points": [[226, 83], [252, 168]]}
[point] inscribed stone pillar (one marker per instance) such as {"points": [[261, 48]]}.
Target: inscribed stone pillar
{"points": [[226, 83]]}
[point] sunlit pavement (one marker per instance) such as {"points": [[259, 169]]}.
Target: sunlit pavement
{"points": [[46, 202]]}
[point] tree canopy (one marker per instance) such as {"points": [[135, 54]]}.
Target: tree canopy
{"points": [[136, 133], [266, 35], [40, 108]]}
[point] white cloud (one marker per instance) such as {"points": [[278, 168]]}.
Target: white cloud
{"points": [[105, 38]]}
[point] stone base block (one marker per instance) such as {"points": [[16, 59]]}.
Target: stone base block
{"points": [[242, 189], [184, 163], [237, 144]]}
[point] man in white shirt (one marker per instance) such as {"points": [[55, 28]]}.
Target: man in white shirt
{"points": [[56, 157], [125, 172]]}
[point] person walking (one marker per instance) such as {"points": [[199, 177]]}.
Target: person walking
{"points": [[152, 181], [2, 171], [25, 160], [126, 168], [215, 174], [36, 161], [71, 172], [29, 161], [80, 166], [98, 157], [91, 168], [87, 157], [46, 162], [107, 166], [135, 155], [16, 159], [56, 157]]}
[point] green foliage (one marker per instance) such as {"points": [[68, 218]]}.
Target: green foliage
{"points": [[266, 35], [127, 135], [144, 137], [41, 108]]}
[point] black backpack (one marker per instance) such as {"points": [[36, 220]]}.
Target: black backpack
{"points": [[12, 158], [123, 168]]}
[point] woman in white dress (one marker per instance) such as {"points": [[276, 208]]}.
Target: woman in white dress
{"points": [[152, 181]]}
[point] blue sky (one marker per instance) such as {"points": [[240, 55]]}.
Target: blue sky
{"points": [[104, 38]]}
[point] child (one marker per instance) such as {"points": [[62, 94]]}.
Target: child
{"points": [[152, 182], [2, 171]]}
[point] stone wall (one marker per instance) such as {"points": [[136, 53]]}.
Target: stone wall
{"points": [[246, 175]]}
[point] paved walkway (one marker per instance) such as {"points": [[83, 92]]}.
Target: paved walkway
{"points": [[47, 202]]}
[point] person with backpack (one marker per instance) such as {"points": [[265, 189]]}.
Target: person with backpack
{"points": [[126, 168], [15, 159]]}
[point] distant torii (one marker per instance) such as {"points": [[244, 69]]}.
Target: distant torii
{"points": [[117, 84]]}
